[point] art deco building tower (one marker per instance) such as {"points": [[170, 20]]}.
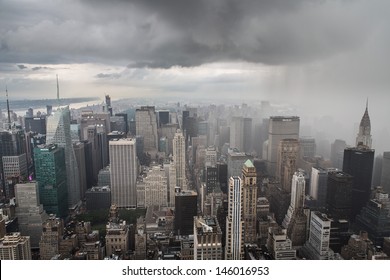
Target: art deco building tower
{"points": [[364, 135], [250, 201]]}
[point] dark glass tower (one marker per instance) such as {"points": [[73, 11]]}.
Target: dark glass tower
{"points": [[338, 199], [185, 210], [359, 163], [50, 173]]}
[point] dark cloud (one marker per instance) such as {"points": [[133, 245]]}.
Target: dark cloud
{"points": [[37, 68], [21, 66], [187, 33], [108, 76]]}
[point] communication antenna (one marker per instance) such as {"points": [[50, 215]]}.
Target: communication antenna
{"points": [[9, 115], [58, 93]]}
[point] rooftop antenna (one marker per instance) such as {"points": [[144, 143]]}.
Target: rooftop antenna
{"points": [[58, 93], [367, 104], [9, 115]]}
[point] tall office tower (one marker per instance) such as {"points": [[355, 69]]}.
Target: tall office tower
{"points": [[14, 246], [14, 171], [339, 195], [179, 158], [96, 163], [30, 212], [211, 179], [53, 231], [364, 136], [297, 197], [118, 123], [317, 247], [35, 124], [207, 238], [12, 149], [385, 177], [307, 147], [237, 133], [108, 104], [186, 208], [247, 135], [318, 186], [337, 153], [103, 144], [163, 117], [211, 156], [3, 230], [374, 217], [146, 125], [125, 119], [170, 173], [168, 131], [100, 120], [279, 128], [279, 245], [123, 172], [79, 151], [235, 161], [58, 132], [50, 172], [49, 110], [296, 220], [286, 164], [359, 162], [156, 187], [234, 247], [249, 192]]}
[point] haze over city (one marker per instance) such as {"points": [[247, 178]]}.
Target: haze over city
{"points": [[321, 56]]}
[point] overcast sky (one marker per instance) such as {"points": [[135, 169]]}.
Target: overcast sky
{"points": [[319, 53]]}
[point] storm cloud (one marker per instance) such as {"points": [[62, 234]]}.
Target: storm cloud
{"points": [[186, 33]]}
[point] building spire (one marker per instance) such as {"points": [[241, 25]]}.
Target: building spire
{"points": [[58, 93], [9, 114], [364, 136]]}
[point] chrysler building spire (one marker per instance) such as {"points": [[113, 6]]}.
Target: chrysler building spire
{"points": [[364, 136]]}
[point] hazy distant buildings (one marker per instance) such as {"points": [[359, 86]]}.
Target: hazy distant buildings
{"points": [[123, 172], [146, 125], [318, 186], [385, 178], [307, 147], [279, 128], [337, 153], [286, 165], [241, 134]]}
